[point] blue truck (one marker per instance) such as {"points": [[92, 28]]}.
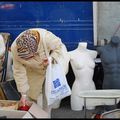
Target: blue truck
{"points": [[71, 21]]}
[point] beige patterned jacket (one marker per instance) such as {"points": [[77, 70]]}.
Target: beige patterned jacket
{"points": [[29, 74]]}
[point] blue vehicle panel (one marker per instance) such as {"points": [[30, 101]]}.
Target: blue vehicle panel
{"points": [[71, 21]]}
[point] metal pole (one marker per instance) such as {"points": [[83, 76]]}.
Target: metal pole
{"points": [[84, 107], [115, 101]]}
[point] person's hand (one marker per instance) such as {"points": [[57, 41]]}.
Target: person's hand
{"points": [[24, 103], [24, 100], [45, 62]]}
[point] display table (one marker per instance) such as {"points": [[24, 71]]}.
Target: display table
{"points": [[99, 94]]}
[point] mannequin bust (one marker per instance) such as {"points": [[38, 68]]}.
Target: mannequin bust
{"points": [[9, 74], [2, 46], [82, 62], [110, 58], [2, 51]]}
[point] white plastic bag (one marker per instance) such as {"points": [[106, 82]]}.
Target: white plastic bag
{"points": [[56, 86]]}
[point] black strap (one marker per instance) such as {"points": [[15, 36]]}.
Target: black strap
{"points": [[4, 70]]}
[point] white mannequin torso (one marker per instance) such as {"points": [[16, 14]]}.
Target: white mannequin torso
{"points": [[82, 62], [2, 46], [9, 74]]}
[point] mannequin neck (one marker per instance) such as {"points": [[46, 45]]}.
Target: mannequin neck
{"points": [[82, 46], [115, 41]]}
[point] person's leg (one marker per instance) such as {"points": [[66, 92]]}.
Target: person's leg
{"points": [[40, 100], [56, 105], [45, 106]]}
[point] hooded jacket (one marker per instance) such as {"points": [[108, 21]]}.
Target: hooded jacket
{"points": [[30, 74]]}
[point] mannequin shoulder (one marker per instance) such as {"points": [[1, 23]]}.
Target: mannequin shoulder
{"points": [[101, 49], [93, 53], [2, 43], [72, 54]]}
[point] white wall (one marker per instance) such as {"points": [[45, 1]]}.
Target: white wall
{"points": [[108, 19]]}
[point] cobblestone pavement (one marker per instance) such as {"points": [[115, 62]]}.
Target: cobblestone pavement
{"points": [[64, 111]]}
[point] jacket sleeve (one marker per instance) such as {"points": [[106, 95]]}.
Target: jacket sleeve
{"points": [[54, 45], [19, 73]]}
